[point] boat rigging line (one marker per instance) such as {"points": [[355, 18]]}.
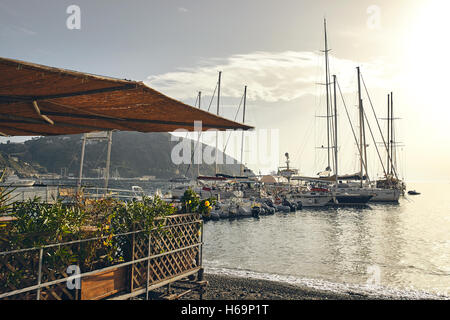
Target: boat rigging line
{"points": [[379, 128], [200, 134], [235, 117], [374, 142], [351, 126]]}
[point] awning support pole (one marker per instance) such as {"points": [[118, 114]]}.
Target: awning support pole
{"points": [[108, 161], [38, 111], [81, 163]]}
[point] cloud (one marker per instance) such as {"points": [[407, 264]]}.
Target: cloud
{"points": [[270, 76], [26, 31], [181, 9], [12, 31]]}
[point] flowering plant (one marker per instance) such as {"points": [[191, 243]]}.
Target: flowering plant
{"points": [[206, 205], [190, 201]]}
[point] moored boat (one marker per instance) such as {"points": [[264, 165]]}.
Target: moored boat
{"points": [[352, 199], [14, 181]]}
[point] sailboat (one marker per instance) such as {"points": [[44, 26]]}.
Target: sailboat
{"points": [[333, 193], [362, 186], [391, 181], [357, 188], [220, 184], [14, 181], [341, 195], [387, 190]]}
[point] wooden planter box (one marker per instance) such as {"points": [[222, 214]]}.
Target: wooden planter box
{"points": [[104, 284]]}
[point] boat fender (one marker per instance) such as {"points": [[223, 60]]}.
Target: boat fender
{"points": [[256, 211]]}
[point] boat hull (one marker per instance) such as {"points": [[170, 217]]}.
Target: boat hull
{"points": [[314, 201], [311, 199], [386, 195], [351, 199], [24, 183], [378, 194]]}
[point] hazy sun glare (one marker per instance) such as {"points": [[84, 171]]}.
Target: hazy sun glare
{"points": [[427, 110], [427, 56]]}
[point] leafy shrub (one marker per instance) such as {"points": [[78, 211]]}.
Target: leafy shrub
{"points": [[190, 201], [37, 224]]}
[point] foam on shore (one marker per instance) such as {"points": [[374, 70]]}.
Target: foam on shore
{"points": [[376, 292]]}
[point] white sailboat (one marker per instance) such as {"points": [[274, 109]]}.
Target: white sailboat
{"points": [[361, 191], [339, 195], [14, 181]]}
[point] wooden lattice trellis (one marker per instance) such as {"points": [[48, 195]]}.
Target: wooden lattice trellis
{"points": [[170, 251], [174, 249], [26, 265]]}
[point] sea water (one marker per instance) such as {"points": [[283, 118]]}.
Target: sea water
{"points": [[397, 250]]}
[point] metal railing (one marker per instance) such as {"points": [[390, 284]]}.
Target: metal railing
{"points": [[122, 194], [48, 194], [42, 250]]}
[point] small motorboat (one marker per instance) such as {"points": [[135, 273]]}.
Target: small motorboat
{"points": [[413, 192], [224, 213], [245, 211], [215, 214], [256, 211], [266, 210], [14, 181], [292, 206], [281, 208]]}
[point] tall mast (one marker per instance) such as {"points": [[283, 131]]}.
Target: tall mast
{"points": [[392, 131], [389, 133], [217, 133], [327, 90], [335, 131], [198, 139], [364, 136], [242, 133], [361, 124]]}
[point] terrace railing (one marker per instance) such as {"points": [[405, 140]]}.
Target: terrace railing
{"points": [[169, 252]]}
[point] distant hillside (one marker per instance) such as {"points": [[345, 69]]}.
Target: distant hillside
{"points": [[22, 168], [133, 154]]}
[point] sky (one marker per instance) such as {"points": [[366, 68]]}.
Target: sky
{"points": [[273, 47]]}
